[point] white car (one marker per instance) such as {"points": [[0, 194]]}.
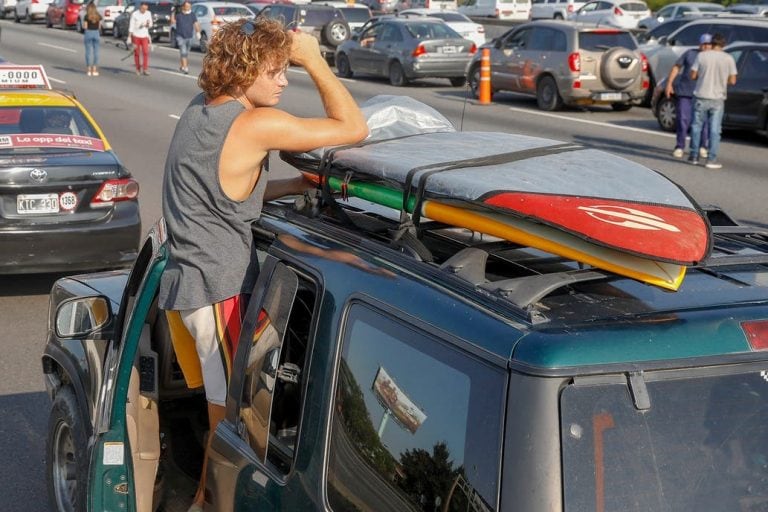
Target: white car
{"points": [[109, 10], [678, 10], [514, 10], [554, 9], [30, 10], [7, 8], [613, 13], [466, 28], [211, 16]]}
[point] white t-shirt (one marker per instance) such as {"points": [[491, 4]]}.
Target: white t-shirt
{"points": [[713, 68], [140, 23]]}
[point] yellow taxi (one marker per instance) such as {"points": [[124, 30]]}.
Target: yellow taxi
{"points": [[66, 200]]}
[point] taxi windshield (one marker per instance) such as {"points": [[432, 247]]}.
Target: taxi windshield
{"points": [[43, 127]]}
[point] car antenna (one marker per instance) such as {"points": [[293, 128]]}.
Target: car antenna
{"points": [[464, 107]]}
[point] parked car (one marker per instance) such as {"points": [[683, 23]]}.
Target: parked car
{"points": [[554, 9], [211, 16], [662, 56], [748, 9], [63, 13], [566, 63], [7, 8], [490, 377], [512, 10], [109, 10], [612, 13], [161, 20], [325, 23], [30, 10], [679, 10], [662, 30], [436, 5], [745, 106], [466, 28], [68, 202], [356, 14], [406, 49]]}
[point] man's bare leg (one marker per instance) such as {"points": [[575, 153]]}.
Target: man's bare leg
{"points": [[215, 415]]}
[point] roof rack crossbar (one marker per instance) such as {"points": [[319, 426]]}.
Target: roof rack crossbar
{"points": [[525, 291]]}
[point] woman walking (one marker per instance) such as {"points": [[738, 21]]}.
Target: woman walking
{"points": [[92, 38]]}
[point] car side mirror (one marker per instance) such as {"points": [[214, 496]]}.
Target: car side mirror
{"points": [[662, 40], [497, 43], [670, 41], [82, 316]]}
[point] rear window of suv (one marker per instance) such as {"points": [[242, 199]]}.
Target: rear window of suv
{"points": [[601, 40], [318, 17]]}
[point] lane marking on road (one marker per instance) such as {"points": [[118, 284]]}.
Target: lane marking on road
{"points": [[70, 50], [303, 72], [174, 116], [176, 73], [595, 123], [56, 80]]}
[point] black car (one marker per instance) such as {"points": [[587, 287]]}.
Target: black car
{"points": [[161, 20], [392, 364], [325, 23], [745, 106], [66, 201]]}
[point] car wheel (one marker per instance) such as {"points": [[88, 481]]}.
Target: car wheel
{"points": [[473, 78], [397, 75], [336, 32], [343, 66], [116, 32], [79, 26], [66, 454], [547, 96], [203, 42], [666, 114], [558, 16], [621, 107], [16, 17], [458, 81], [48, 23]]}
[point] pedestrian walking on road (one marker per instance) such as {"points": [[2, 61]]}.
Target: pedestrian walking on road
{"points": [[713, 72], [138, 35], [680, 82], [215, 184], [187, 28], [92, 38]]}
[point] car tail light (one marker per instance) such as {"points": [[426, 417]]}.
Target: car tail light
{"points": [[574, 62], [618, 12], [757, 333], [420, 50], [644, 60], [473, 49], [577, 84], [646, 84], [35, 2], [112, 191]]}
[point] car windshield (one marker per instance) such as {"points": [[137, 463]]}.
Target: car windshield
{"points": [[318, 17], [634, 7], [160, 8], [355, 14], [697, 443], [231, 11], [55, 127], [599, 40], [431, 31]]}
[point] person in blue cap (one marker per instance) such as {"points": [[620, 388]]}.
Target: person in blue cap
{"points": [[680, 82]]}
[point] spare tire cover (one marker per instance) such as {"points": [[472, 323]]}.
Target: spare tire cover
{"points": [[620, 67], [336, 32]]}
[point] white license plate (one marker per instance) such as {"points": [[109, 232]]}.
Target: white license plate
{"points": [[610, 96], [448, 49], [37, 203]]}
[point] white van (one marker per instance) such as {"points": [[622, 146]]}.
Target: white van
{"points": [[501, 9], [554, 9], [435, 5]]}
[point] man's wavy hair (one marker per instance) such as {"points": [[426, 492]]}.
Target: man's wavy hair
{"points": [[236, 56]]}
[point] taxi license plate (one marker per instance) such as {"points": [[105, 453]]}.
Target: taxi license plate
{"points": [[610, 96], [37, 203], [448, 49]]}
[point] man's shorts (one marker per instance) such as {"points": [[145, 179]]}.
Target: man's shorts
{"points": [[184, 44], [212, 332]]}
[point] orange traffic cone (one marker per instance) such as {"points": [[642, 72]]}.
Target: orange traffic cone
{"points": [[485, 77]]}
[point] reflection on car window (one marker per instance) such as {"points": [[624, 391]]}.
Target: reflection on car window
{"points": [[547, 40], [756, 66], [689, 36], [601, 41], [416, 424], [431, 31], [702, 445]]}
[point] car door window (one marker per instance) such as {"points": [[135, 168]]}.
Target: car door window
{"points": [[369, 37], [689, 36], [546, 40], [591, 6], [390, 34], [756, 67], [665, 12], [416, 422], [517, 40]]}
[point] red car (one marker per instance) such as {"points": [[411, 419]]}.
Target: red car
{"points": [[63, 13]]}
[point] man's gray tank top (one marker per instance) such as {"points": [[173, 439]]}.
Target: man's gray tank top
{"points": [[211, 255]]}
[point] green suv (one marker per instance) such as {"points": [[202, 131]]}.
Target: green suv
{"points": [[444, 372]]}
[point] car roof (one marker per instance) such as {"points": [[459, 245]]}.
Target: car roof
{"points": [[754, 22]]}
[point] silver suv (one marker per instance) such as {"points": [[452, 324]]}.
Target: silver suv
{"points": [[566, 63]]}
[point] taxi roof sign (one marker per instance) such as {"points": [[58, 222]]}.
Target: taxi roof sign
{"points": [[13, 76]]}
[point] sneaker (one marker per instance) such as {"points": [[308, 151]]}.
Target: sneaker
{"points": [[185, 71], [713, 164], [138, 72], [95, 73], [693, 160], [90, 73], [703, 153], [146, 73], [678, 153]]}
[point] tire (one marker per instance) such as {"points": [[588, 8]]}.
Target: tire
{"points": [[621, 107], [335, 33], [343, 66], [66, 454], [397, 75], [547, 96], [203, 42], [458, 81], [557, 16], [473, 78], [666, 114], [79, 26]]}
